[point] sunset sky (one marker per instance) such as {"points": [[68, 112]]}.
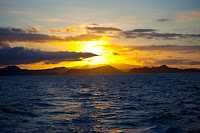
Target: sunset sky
{"points": [[41, 34]]}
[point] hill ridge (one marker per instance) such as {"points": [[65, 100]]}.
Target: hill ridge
{"points": [[107, 69]]}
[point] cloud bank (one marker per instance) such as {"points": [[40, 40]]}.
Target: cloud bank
{"points": [[21, 55], [20, 35], [33, 29], [177, 48], [177, 62], [31, 34], [152, 34], [102, 29], [11, 34]]}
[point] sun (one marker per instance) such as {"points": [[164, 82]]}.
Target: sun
{"points": [[95, 47]]}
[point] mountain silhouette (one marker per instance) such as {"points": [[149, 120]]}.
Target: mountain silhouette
{"points": [[14, 70], [161, 69], [99, 70], [11, 70]]}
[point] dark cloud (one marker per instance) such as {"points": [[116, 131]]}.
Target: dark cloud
{"points": [[19, 35], [143, 30], [165, 20], [33, 29], [84, 37], [14, 35], [11, 34], [95, 24], [17, 30], [21, 55], [101, 30], [177, 48], [170, 62], [177, 62], [116, 54], [113, 36], [194, 63], [151, 34], [137, 33]]}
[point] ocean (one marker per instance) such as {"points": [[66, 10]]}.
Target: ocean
{"points": [[140, 103]]}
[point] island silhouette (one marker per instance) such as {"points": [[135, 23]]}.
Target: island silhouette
{"points": [[108, 69]]}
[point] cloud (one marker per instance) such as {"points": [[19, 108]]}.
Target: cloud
{"points": [[12, 34], [195, 14], [151, 34], [19, 35], [33, 29], [55, 30], [21, 55], [19, 12], [15, 12], [116, 53], [183, 17], [165, 20], [84, 37], [189, 16], [50, 19], [142, 30], [16, 29], [178, 48], [70, 29], [93, 24], [177, 62], [3, 45], [67, 29], [102, 30], [170, 62], [194, 63], [135, 21]]}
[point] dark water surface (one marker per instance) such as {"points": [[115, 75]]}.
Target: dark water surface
{"points": [[146, 103]]}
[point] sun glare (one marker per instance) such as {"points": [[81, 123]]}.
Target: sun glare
{"points": [[98, 48], [95, 47]]}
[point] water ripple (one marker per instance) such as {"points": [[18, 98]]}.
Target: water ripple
{"points": [[142, 103]]}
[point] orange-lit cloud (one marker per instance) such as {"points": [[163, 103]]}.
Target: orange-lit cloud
{"points": [[55, 30], [84, 37], [184, 17], [33, 28], [18, 12], [70, 29], [15, 12], [67, 29], [135, 21], [3, 45], [177, 48], [50, 19], [102, 29]]}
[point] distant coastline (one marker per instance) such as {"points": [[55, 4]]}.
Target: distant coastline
{"points": [[14, 70]]}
